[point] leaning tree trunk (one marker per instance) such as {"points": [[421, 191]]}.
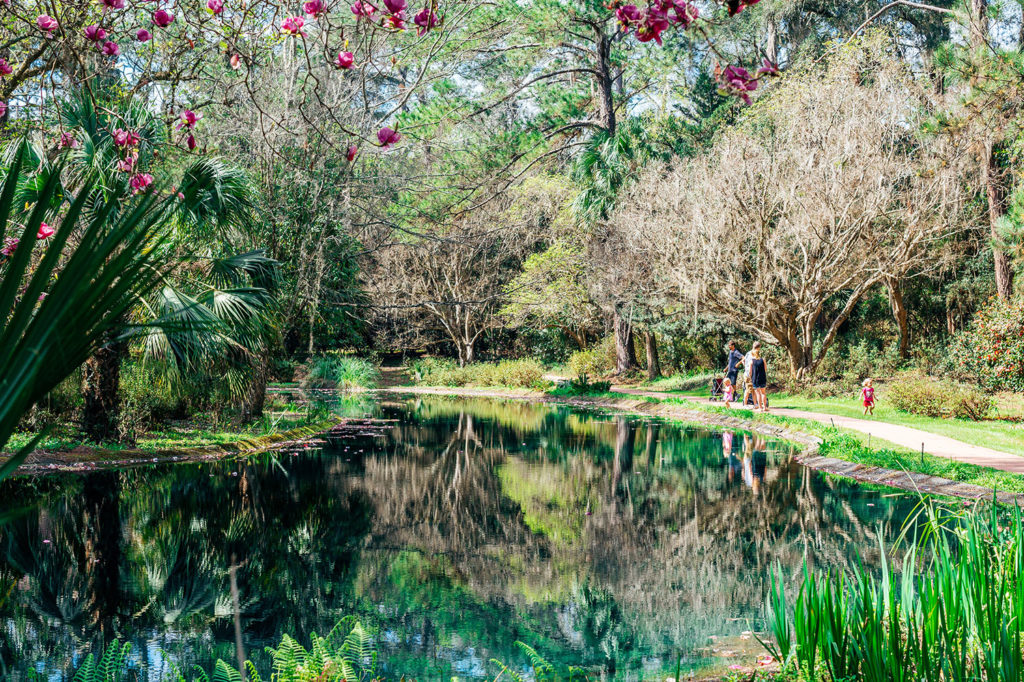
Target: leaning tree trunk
{"points": [[101, 391], [653, 363], [625, 351], [899, 314]]}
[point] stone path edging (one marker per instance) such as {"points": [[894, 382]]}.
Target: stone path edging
{"points": [[809, 457]]}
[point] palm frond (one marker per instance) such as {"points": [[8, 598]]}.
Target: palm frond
{"points": [[56, 313]]}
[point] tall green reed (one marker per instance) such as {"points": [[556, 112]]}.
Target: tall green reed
{"points": [[951, 612]]}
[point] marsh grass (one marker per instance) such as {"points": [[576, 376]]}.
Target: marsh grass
{"points": [[950, 611]]}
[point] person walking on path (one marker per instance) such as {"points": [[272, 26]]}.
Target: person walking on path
{"points": [[759, 379], [733, 363], [748, 387]]}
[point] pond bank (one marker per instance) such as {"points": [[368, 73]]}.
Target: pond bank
{"points": [[82, 459], [655, 406]]}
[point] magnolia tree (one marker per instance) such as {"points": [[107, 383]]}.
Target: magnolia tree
{"points": [[825, 190]]}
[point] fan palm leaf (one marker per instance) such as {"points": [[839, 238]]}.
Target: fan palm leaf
{"points": [[57, 311]]}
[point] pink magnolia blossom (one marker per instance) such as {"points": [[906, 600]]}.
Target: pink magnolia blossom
{"points": [[395, 21], [125, 138], [142, 35], [654, 24], [735, 80], [68, 141], [292, 26], [162, 18], [188, 119], [5, 68], [127, 164], [426, 19], [3, 108], [734, 7], [215, 6], [627, 16], [47, 24], [388, 137], [10, 244], [681, 12], [314, 8], [110, 49], [190, 142], [112, 4], [350, 155], [345, 60], [235, 61], [94, 33], [768, 68], [363, 9], [45, 231], [140, 181], [396, 6]]}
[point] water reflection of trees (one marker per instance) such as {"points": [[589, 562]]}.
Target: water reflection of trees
{"points": [[601, 539]]}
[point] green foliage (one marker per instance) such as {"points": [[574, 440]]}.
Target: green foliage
{"points": [[846, 365], [582, 385], [991, 350], [526, 373], [58, 307], [952, 614], [109, 668], [931, 397], [596, 361], [543, 671], [343, 372]]}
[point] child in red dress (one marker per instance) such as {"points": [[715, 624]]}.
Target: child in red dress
{"points": [[867, 394]]}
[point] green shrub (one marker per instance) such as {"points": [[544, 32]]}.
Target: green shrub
{"points": [[343, 372], [596, 361], [147, 398], [507, 373], [582, 385], [991, 350], [937, 398], [694, 381]]}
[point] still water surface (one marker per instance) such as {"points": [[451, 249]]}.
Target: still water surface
{"points": [[611, 542]]}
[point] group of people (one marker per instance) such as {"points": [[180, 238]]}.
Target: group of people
{"points": [[755, 376], [755, 379]]}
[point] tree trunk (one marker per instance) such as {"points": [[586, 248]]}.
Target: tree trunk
{"points": [[101, 390], [605, 83], [996, 194], [625, 351], [899, 314], [653, 364], [991, 177], [255, 397], [467, 352]]}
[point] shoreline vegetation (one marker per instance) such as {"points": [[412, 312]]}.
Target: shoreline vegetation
{"points": [[876, 460]]}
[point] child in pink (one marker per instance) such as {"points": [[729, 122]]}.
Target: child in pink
{"points": [[867, 394], [728, 392]]}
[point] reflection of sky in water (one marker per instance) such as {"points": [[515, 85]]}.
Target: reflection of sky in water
{"points": [[606, 541]]}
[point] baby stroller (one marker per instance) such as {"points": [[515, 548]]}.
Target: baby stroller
{"points": [[716, 388]]}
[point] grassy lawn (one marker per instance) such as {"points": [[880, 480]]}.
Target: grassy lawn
{"points": [[999, 435], [1006, 436], [852, 446]]}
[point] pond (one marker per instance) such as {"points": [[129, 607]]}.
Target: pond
{"points": [[618, 543]]}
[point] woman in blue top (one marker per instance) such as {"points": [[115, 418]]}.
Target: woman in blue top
{"points": [[733, 363]]}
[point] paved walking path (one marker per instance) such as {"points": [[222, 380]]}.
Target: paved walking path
{"points": [[934, 444]]}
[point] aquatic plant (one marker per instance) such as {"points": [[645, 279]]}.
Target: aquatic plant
{"points": [[953, 612], [341, 371]]}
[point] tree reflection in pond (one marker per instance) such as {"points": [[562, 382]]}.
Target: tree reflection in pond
{"points": [[604, 540]]}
